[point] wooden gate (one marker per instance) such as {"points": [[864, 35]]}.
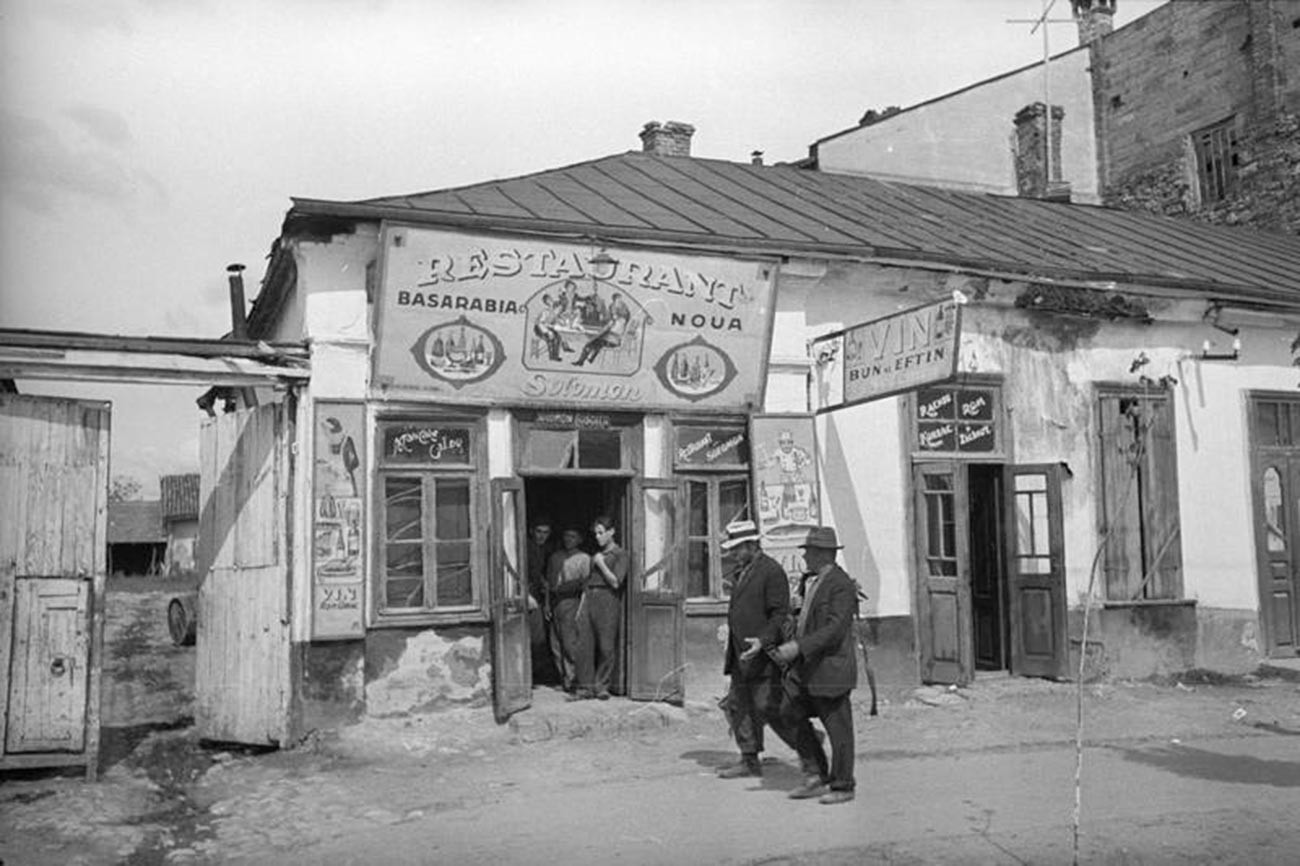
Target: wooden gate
{"points": [[53, 507], [242, 688]]}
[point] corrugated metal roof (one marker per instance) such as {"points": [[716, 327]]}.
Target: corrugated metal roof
{"points": [[780, 209], [180, 496], [135, 522]]}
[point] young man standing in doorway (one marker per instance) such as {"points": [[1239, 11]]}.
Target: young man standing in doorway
{"points": [[568, 573], [600, 612]]}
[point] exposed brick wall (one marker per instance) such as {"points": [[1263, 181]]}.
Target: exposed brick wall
{"points": [[1186, 66]]}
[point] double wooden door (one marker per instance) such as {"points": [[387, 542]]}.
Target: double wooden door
{"points": [[1019, 589]]}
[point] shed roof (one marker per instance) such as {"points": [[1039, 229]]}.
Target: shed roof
{"points": [[135, 522], [779, 209]]}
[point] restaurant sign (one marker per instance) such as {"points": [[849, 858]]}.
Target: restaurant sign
{"points": [[477, 320], [887, 356]]}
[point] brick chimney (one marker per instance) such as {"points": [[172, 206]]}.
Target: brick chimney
{"points": [[1032, 180], [1095, 18], [667, 139]]}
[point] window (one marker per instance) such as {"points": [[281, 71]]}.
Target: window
{"points": [[555, 440], [1216, 160], [713, 458], [1139, 521], [427, 503], [713, 502]]}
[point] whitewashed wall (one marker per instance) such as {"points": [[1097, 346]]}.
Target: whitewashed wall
{"points": [[964, 139]]}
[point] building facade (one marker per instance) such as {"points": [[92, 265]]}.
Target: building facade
{"points": [[1007, 408], [1191, 110]]}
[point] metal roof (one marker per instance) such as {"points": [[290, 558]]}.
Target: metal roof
{"points": [[782, 210]]}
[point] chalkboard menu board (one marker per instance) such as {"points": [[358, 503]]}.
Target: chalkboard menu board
{"points": [[957, 420], [426, 444]]}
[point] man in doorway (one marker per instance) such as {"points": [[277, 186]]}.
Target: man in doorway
{"points": [[759, 605], [602, 605], [823, 655], [567, 574], [545, 642]]}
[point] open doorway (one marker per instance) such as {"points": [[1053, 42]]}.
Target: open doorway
{"points": [[987, 567], [574, 502]]}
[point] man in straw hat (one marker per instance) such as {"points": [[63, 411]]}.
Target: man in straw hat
{"points": [[825, 670], [759, 605]]}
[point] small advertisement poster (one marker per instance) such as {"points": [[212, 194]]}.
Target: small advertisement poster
{"points": [[338, 521], [887, 356], [476, 319], [784, 461]]}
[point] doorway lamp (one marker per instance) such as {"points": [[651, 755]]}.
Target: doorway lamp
{"points": [[1209, 353]]}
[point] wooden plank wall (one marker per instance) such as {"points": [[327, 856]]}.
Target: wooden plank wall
{"points": [[242, 664], [53, 498]]}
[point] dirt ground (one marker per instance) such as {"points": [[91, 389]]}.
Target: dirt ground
{"points": [[420, 787]]}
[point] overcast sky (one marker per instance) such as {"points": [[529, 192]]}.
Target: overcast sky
{"points": [[149, 143]]}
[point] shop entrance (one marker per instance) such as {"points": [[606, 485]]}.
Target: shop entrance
{"points": [[991, 573], [571, 502]]}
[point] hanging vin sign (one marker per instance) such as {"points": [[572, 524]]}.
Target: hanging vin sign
{"points": [[887, 356]]}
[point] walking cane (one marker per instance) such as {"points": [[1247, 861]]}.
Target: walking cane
{"points": [[866, 659]]}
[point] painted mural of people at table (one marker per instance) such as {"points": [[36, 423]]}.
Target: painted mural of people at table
{"points": [[544, 327], [613, 325]]}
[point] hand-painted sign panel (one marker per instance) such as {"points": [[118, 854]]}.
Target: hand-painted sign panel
{"points": [[887, 356], [698, 446], [958, 420], [338, 521], [478, 320], [426, 443]]}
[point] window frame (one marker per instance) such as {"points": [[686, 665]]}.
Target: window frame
{"points": [[718, 597], [713, 476], [473, 472], [1157, 502], [1216, 155], [627, 426]]}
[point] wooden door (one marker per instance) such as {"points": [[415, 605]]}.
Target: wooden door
{"points": [[53, 519], [1036, 570], [48, 672], [943, 573], [657, 591], [1277, 528], [242, 689], [512, 666]]}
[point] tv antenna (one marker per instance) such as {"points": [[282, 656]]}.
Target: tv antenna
{"points": [[1042, 21]]}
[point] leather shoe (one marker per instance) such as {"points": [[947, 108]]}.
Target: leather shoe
{"points": [[579, 695], [830, 798], [740, 770], [808, 790]]}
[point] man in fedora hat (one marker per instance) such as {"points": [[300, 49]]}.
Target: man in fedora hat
{"points": [[759, 605], [825, 669]]}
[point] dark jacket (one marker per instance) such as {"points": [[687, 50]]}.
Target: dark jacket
{"points": [[828, 665], [760, 602]]}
